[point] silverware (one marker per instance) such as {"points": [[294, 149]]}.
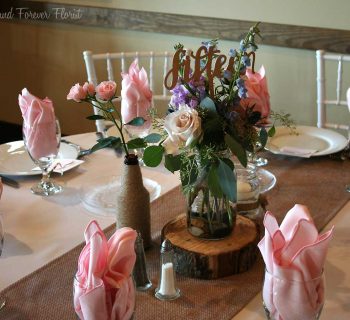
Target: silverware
{"points": [[10, 182]]}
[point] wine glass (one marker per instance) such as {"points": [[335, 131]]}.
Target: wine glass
{"points": [[286, 298], [138, 132], [42, 142], [253, 157]]}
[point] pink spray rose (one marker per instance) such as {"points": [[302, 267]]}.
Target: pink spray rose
{"points": [[89, 88], [106, 90], [77, 93], [258, 94], [136, 94]]}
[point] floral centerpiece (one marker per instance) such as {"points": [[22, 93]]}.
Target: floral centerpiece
{"points": [[217, 104]]}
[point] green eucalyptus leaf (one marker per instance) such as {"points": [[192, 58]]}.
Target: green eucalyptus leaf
{"points": [[271, 131], [208, 104], [153, 155], [105, 142], [263, 136], [138, 121], [213, 182], [96, 117], [237, 150], [153, 138], [136, 143], [172, 163], [227, 181], [229, 162]]}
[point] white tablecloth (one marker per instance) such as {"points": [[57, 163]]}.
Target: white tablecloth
{"points": [[39, 229]]}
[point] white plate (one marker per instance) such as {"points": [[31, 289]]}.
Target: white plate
{"points": [[99, 197], [324, 141], [15, 161]]}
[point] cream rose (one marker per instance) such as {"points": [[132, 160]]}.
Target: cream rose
{"points": [[183, 127]]}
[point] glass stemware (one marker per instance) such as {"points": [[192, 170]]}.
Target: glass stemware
{"points": [[253, 156], [42, 143], [293, 299], [138, 132]]}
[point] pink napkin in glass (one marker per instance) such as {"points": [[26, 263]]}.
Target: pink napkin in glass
{"points": [[136, 94], [39, 124], [295, 252], [103, 288]]}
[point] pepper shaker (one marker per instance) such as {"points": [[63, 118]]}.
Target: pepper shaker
{"points": [[167, 289], [139, 273]]}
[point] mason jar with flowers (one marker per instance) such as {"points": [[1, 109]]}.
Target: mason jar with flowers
{"points": [[212, 118]]}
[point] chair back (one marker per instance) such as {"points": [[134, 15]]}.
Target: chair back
{"points": [[118, 62], [331, 90]]}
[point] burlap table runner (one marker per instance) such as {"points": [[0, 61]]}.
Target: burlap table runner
{"points": [[318, 183]]}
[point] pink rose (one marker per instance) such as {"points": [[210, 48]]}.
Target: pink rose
{"points": [[136, 94], [106, 90], [258, 94], [77, 93], [89, 88]]}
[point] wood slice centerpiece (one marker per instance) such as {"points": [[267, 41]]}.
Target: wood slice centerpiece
{"points": [[211, 259]]}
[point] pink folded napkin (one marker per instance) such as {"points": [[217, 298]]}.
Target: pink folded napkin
{"points": [[103, 287], [293, 251], [136, 95], [39, 125]]}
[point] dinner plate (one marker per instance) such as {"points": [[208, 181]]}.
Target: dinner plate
{"points": [[15, 161], [321, 141], [99, 196]]}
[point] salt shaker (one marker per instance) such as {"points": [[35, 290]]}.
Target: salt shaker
{"points": [[167, 289], [139, 273]]}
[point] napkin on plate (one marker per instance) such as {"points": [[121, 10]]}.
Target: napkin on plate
{"points": [[62, 165], [298, 152], [39, 124], [103, 288], [296, 252]]}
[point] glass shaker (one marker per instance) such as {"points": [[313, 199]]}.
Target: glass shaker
{"points": [[139, 273], [167, 289]]}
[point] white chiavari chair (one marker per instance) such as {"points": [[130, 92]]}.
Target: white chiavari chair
{"points": [[333, 74]]}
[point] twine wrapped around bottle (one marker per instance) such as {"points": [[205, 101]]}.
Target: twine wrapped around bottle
{"points": [[133, 201]]}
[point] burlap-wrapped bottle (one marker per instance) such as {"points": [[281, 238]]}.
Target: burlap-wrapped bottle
{"points": [[133, 201]]}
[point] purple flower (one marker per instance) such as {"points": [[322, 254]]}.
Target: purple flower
{"points": [[228, 75], [246, 61], [193, 103], [242, 46], [232, 53]]}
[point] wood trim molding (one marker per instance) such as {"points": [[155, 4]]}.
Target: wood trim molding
{"points": [[282, 35]]}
